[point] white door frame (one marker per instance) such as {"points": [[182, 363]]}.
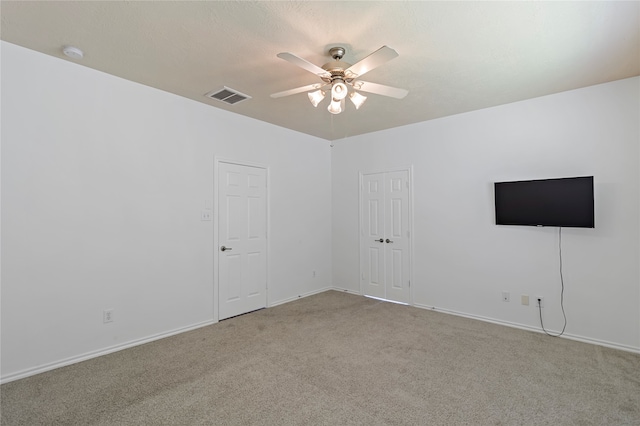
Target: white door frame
{"points": [[409, 170], [216, 240]]}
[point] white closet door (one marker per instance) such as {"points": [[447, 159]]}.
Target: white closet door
{"points": [[373, 245], [242, 251], [385, 237]]}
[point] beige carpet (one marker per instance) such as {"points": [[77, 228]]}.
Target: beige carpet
{"points": [[339, 359]]}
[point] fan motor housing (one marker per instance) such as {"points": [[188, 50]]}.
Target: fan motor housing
{"points": [[336, 69]]}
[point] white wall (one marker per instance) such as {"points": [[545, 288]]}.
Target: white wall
{"points": [[103, 183], [462, 260]]}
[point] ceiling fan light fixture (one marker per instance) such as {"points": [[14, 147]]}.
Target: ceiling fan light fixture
{"points": [[340, 75], [339, 90], [335, 107], [357, 99], [316, 97]]}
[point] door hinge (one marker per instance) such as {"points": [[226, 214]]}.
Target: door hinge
{"points": [[409, 282]]}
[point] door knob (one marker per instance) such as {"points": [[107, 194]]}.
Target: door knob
{"points": [[389, 241], [223, 248], [379, 241]]}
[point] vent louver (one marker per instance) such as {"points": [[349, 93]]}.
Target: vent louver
{"points": [[227, 95]]}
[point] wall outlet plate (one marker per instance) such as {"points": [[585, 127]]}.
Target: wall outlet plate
{"points": [[506, 296], [539, 301]]}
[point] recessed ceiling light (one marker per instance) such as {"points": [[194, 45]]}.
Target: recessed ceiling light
{"points": [[73, 52]]}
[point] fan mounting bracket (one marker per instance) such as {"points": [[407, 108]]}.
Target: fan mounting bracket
{"points": [[337, 52]]}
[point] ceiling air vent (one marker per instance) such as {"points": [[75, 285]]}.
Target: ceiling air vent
{"points": [[227, 95]]}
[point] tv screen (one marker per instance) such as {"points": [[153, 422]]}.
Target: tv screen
{"points": [[564, 202]]}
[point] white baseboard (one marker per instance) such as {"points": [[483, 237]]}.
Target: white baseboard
{"points": [[534, 329], [346, 290], [94, 354], [311, 293], [291, 299]]}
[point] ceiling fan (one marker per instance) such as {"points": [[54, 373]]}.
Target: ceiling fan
{"points": [[338, 76]]}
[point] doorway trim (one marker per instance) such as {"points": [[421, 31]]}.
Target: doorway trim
{"points": [[361, 174], [216, 240]]}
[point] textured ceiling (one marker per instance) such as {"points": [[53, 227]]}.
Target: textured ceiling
{"points": [[454, 56]]}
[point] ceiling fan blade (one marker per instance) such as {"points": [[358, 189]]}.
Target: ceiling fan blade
{"points": [[374, 60], [304, 64], [297, 90], [380, 89]]}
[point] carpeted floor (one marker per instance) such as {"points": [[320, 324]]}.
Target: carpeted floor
{"points": [[339, 359]]}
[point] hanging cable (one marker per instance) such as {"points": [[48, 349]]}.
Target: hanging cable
{"points": [[561, 292]]}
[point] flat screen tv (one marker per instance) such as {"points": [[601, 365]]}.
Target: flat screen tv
{"points": [[564, 202]]}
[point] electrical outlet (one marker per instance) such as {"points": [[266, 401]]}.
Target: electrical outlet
{"points": [[206, 215], [107, 315], [524, 299], [539, 301], [506, 296], [313, 273]]}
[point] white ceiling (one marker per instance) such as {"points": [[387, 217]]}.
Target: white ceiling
{"points": [[454, 56]]}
